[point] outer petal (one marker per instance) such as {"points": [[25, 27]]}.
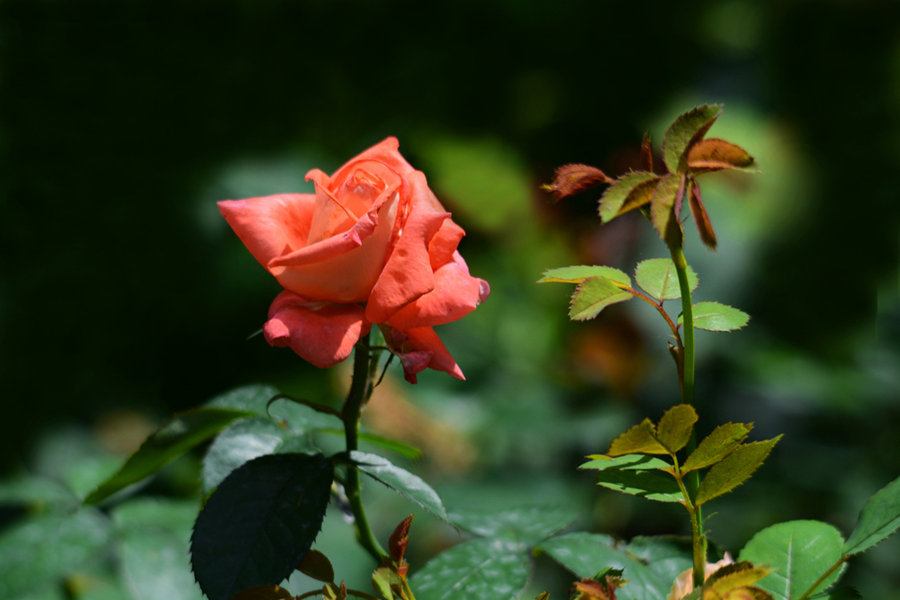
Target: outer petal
{"points": [[323, 333], [418, 349], [455, 294], [408, 273], [270, 225], [386, 152]]}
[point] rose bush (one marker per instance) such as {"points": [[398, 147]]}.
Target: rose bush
{"points": [[373, 245]]}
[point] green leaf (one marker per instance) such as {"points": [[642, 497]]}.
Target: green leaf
{"points": [[714, 316], [260, 522], [179, 435], [879, 518], [734, 469], [659, 278], [662, 209], [241, 442], [479, 568], [526, 525], [255, 398], [640, 438], [401, 481], [48, 548], [650, 564], [798, 553], [614, 197], [382, 579], [652, 485], [633, 462], [578, 273], [37, 494], [401, 448], [675, 427], [688, 129], [593, 295], [717, 445]]}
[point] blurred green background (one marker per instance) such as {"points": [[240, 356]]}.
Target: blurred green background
{"points": [[124, 296]]}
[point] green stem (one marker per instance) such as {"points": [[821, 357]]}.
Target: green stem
{"points": [[350, 416]]}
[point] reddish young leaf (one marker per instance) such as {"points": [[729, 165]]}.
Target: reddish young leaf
{"points": [[571, 179], [701, 219], [399, 539], [713, 154], [646, 153]]}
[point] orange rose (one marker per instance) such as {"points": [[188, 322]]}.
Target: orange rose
{"points": [[372, 246]]}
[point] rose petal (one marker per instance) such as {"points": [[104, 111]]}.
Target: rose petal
{"points": [[322, 333], [444, 243], [408, 273], [455, 294], [270, 225], [418, 349]]}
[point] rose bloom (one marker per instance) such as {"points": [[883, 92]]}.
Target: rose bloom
{"points": [[373, 245]]}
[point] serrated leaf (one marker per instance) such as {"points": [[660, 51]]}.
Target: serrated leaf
{"points": [[525, 525], [798, 553], [701, 218], [713, 154], [688, 129], [256, 399], [639, 462], [593, 295], [715, 316], [640, 438], [734, 469], [479, 568], [578, 273], [879, 518], [403, 482], [659, 278], [574, 178], [316, 565], [649, 564], [652, 485], [382, 578], [666, 195], [675, 427], [49, 548], [614, 197], [641, 195], [179, 435], [733, 576], [260, 521], [241, 442], [717, 445]]}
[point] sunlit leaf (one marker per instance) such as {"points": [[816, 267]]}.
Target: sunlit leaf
{"points": [[613, 198], [649, 564], [717, 445], [578, 273], [715, 316], [574, 178], [735, 577], [688, 129], [524, 525], [798, 553], [593, 295], [652, 485], [260, 522], [401, 481], [734, 469], [713, 154], [640, 462], [675, 427], [479, 568], [879, 518], [701, 218], [662, 208], [641, 195], [659, 278], [640, 438], [179, 435]]}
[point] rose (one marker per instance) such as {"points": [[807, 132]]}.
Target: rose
{"points": [[373, 245]]}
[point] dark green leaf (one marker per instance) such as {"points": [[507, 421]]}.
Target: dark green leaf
{"points": [[613, 198], [652, 485], [714, 316], [401, 481], [179, 435], [48, 548], [260, 522], [578, 273], [480, 568], [734, 469], [640, 438], [879, 518], [659, 278], [688, 129], [239, 443], [401, 448], [798, 553], [525, 525], [264, 592], [650, 564], [593, 295], [717, 445], [675, 427], [255, 398]]}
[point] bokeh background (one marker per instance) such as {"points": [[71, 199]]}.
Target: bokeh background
{"points": [[124, 297]]}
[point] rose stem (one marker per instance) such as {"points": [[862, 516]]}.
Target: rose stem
{"points": [[350, 415]]}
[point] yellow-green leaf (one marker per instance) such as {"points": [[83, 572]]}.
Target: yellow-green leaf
{"points": [[638, 439], [674, 429], [717, 445], [713, 154], [688, 129], [614, 197], [593, 295], [659, 278], [662, 207], [734, 469], [578, 273], [715, 316]]}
